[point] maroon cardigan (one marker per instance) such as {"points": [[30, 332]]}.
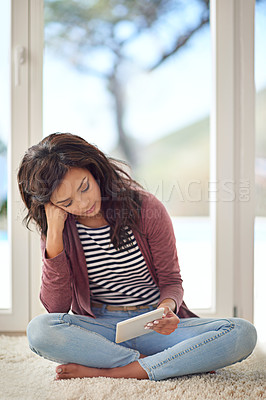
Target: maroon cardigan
{"points": [[65, 283]]}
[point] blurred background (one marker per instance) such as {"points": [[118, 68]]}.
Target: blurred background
{"points": [[134, 78]]}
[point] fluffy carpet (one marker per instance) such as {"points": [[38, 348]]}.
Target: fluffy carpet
{"points": [[26, 376]]}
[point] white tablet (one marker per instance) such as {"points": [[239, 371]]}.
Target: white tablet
{"points": [[134, 327]]}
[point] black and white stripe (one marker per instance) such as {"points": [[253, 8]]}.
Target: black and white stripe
{"points": [[116, 276]]}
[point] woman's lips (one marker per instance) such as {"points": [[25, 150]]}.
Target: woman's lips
{"points": [[90, 210]]}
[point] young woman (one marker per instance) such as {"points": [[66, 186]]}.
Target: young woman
{"points": [[109, 254]]}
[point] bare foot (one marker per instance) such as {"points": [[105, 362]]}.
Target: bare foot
{"points": [[68, 371]]}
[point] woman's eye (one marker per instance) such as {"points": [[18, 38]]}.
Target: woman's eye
{"points": [[69, 204], [86, 188]]}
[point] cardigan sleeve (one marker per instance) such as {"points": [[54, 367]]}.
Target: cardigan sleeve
{"points": [[56, 290], [162, 246]]}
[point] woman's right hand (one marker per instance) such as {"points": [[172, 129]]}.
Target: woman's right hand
{"points": [[56, 217]]}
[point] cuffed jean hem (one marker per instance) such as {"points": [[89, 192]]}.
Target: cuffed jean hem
{"points": [[147, 369]]}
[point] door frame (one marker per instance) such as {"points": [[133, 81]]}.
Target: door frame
{"points": [[26, 129], [233, 155], [232, 158], [16, 318]]}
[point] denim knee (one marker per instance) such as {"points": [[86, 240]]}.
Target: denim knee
{"points": [[247, 336], [38, 331]]}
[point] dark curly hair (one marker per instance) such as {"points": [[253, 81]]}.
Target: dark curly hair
{"points": [[44, 165]]}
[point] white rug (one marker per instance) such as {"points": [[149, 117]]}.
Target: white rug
{"points": [[26, 376]]}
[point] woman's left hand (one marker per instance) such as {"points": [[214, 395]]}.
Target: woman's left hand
{"points": [[167, 324]]}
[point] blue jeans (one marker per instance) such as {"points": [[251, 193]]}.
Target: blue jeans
{"points": [[198, 344]]}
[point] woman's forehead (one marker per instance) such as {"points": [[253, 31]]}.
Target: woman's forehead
{"points": [[72, 180], [75, 173]]}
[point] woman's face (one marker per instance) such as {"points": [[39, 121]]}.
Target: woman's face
{"points": [[78, 193]]}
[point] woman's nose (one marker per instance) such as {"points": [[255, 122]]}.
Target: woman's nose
{"points": [[83, 204], [81, 201]]}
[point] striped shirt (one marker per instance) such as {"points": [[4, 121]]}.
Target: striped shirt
{"points": [[118, 277]]}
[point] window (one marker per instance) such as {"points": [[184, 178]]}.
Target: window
{"points": [[5, 265], [110, 77]]}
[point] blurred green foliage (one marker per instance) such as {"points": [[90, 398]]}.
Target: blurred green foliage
{"points": [[3, 208]]}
